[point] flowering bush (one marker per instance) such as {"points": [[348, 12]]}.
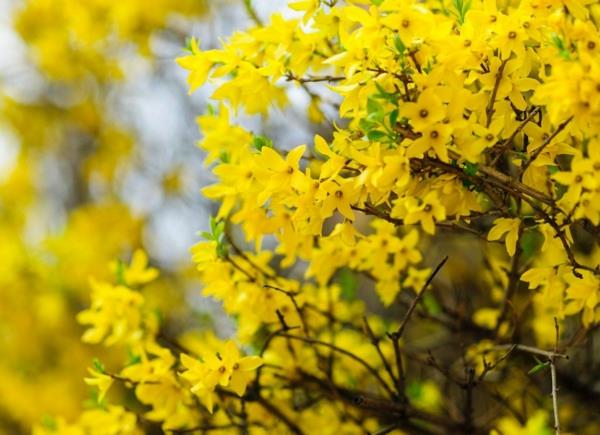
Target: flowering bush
{"points": [[426, 264]]}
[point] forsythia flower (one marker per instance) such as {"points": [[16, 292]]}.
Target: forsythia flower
{"points": [[425, 212], [226, 369], [100, 380], [137, 272], [507, 226], [114, 315]]}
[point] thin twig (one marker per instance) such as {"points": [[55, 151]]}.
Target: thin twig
{"points": [[553, 377], [541, 148], [534, 350], [252, 13], [489, 110], [375, 341], [504, 146], [417, 299], [554, 397]]}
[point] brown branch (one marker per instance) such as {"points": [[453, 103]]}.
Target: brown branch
{"points": [[534, 351], [375, 342], [290, 76], [539, 150], [417, 299], [489, 110], [504, 146], [513, 283]]}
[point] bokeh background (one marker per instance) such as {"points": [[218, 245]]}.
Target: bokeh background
{"points": [[97, 158]]}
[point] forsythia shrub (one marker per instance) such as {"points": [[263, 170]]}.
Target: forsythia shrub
{"points": [[426, 264]]}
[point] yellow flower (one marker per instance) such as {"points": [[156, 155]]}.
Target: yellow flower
{"points": [[114, 315], [334, 162], [337, 195], [507, 226], [137, 272], [198, 64], [226, 369], [100, 380], [426, 111], [434, 137], [425, 212], [281, 174]]}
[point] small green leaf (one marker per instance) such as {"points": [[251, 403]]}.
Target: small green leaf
{"points": [[461, 8], [222, 250], [120, 273], [376, 135], [531, 241], [414, 390], [259, 142], [553, 169], [431, 304], [188, 45], [382, 94], [133, 359], [393, 117], [470, 168], [399, 45], [349, 284], [560, 45], [375, 110], [538, 367], [366, 125], [98, 366]]}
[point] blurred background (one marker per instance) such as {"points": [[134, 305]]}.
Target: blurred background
{"points": [[97, 158]]}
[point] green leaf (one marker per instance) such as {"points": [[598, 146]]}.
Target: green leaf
{"points": [[120, 273], [470, 168], [188, 45], [98, 366], [376, 135], [461, 7], [377, 2], [382, 94], [349, 284], [399, 45], [559, 43], [531, 241], [538, 367], [427, 68], [414, 390], [431, 304], [393, 117], [159, 315], [366, 125], [133, 359], [259, 142], [553, 169], [375, 110]]}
